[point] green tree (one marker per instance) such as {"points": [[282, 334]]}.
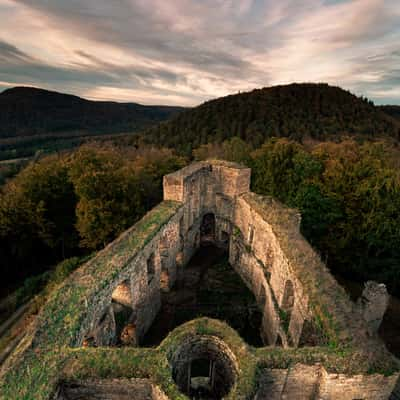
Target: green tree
{"points": [[236, 149], [110, 197], [41, 201]]}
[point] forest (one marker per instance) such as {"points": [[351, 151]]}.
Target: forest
{"points": [[393, 111], [296, 111], [346, 185]]}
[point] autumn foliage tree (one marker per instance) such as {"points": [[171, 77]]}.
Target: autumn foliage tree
{"points": [[110, 197], [62, 205], [116, 187]]}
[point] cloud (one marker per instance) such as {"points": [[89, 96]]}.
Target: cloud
{"points": [[10, 54], [187, 51]]}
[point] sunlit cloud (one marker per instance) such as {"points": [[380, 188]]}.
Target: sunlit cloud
{"points": [[185, 51]]}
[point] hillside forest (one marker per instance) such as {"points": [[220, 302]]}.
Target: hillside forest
{"points": [[35, 121]]}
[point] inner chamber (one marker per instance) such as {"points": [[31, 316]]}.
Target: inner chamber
{"points": [[204, 368], [208, 286]]}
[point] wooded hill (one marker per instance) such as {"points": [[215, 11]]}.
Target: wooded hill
{"points": [[26, 111], [296, 111]]}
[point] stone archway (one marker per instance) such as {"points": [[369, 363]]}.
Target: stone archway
{"points": [[124, 314], [122, 294], [207, 229]]}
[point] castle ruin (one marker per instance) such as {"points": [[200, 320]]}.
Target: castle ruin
{"points": [[318, 344]]}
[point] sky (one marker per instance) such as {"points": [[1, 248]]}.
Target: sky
{"points": [[184, 52]]}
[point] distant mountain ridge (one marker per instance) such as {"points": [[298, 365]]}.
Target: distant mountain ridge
{"points": [[26, 111], [296, 111]]}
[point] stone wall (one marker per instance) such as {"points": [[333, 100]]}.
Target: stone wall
{"points": [[113, 389], [372, 387], [305, 382], [373, 304], [262, 263], [138, 285]]}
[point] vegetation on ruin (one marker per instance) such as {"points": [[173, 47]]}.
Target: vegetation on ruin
{"points": [[67, 300], [37, 372], [37, 376], [34, 293]]}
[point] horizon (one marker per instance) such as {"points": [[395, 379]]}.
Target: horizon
{"points": [[195, 105], [183, 53]]}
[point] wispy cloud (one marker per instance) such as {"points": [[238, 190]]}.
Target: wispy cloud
{"points": [[186, 51]]}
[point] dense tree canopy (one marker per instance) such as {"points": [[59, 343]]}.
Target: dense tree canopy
{"points": [[296, 111], [61, 205]]}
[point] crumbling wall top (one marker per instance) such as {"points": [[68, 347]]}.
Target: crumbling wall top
{"points": [[228, 178]]}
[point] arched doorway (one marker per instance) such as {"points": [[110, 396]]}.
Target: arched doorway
{"points": [[207, 229], [122, 305]]}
